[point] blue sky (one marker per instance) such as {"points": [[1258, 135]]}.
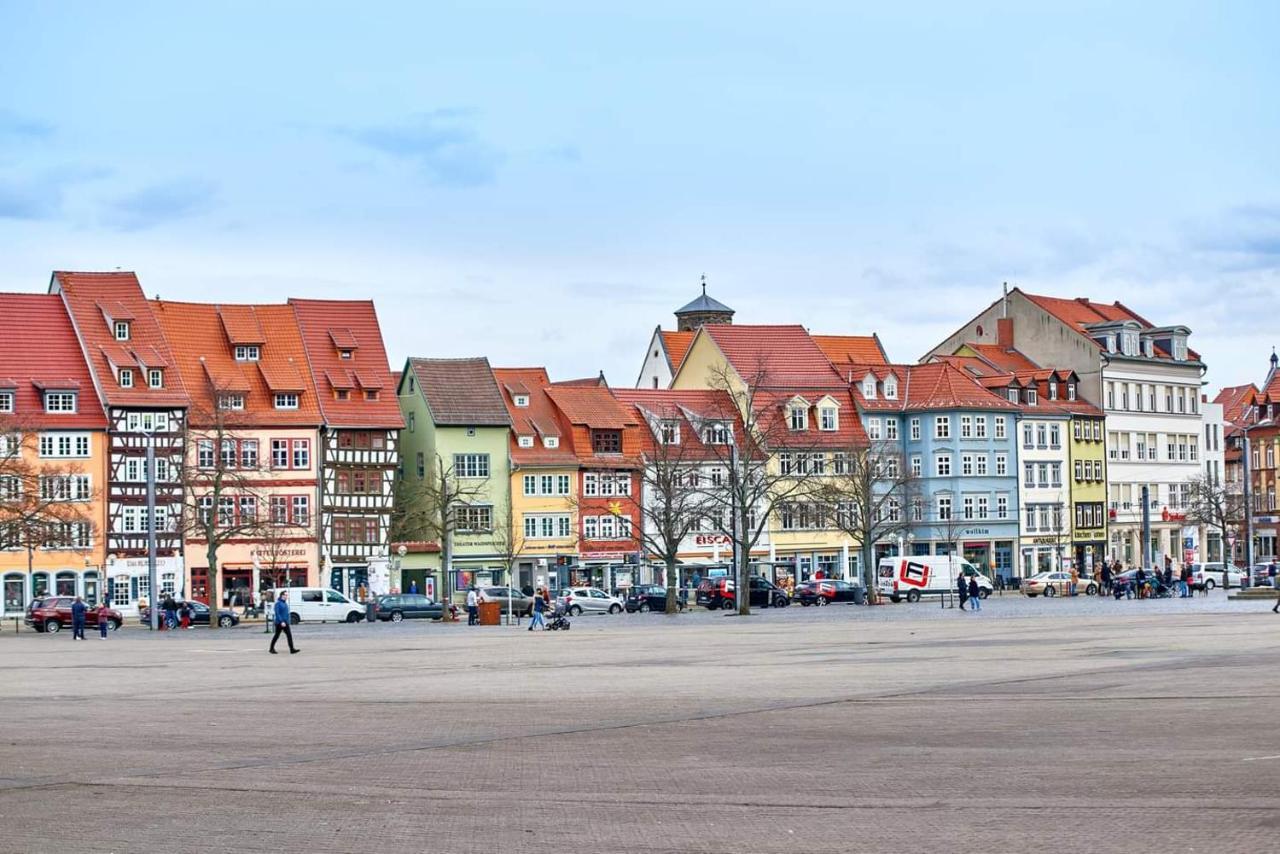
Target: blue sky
{"points": [[544, 183]]}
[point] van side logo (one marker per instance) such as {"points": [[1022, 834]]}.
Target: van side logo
{"points": [[914, 574]]}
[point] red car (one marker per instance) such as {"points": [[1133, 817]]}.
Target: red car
{"points": [[826, 591], [53, 613]]}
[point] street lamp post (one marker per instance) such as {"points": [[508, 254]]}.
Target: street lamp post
{"points": [[151, 531]]}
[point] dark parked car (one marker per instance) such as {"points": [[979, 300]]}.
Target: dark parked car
{"points": [[53, 614], [408, 606], [199, 615], [719, 593], [650, 597], [826, 591]]}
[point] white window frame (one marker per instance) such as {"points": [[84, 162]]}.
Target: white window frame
{"points": [[248, 353], [286, 400]]}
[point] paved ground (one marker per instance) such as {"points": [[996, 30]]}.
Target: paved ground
{"points": [[1066, 726]]}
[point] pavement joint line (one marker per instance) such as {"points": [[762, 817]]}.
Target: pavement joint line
{"points": [[1259, 758]]}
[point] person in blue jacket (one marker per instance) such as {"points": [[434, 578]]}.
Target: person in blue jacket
{"points": [[281, 616], [78, 611]]}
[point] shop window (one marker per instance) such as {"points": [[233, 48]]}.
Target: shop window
{"points": [[15, 593], [65, 583], [39, 585]]}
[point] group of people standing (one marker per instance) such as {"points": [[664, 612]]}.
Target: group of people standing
{"points": [[969, 591], [80, 615]]}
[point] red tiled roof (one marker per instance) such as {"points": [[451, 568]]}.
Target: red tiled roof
{"points": [[591, 406], [206, 360], [538, 419], [1009, 360], [855, 349], [687, 407], [1234, 399], [40, 345], [677, 347], [772, 419], [596, 381], [318, 320], [461, 392], [241, 324], [83, 293], [935, 385], [786, 355], [1081, 312]]}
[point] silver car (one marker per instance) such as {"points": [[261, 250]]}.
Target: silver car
{"points": [[579, 600], [520, 603]]}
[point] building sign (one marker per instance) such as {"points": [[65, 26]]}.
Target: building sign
{"points": [[277, 554], [712, 540], [976, 532], [1045, 541]]}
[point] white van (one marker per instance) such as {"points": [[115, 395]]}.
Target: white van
{"points": [[910, 577], [319, 605]]}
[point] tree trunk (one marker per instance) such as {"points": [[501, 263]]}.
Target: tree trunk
{"points": [[673, 587], [211, 555], [744, 567], [446, 563], [869, 576]]}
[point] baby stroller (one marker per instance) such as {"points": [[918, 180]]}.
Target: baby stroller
{"points": [[559, 618]]}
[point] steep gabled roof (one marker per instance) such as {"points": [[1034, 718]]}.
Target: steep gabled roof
{"points": [[786, 355], [772, 419], [1234, 400], [1009, 359], [39, 348], [677, 346], [328, 326], [205, 358], [852, 349], [1082, 312], [461, 392], [591, 406], [935, 386], [539, 419], [85, 294], [692, 409]]}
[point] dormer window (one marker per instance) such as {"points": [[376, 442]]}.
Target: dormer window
{"points": [[716, 433], [345, 354], [60, 401], [126, 378], [891, 389], [1013, 395], [1149, 348], [1111, 343], [525, 441], [371, 394], [521, 400], [341, 393], [287, 400], [551, 442], [231, 402], [1071, 391], [828, 419], [606, 441], [670, 432], [1129, 343], [155, 378], [1180, 348], [1031, 397], [799, 418], [121, 330], [869, 388], [6, 401], [1053, 389], [248, 353]]}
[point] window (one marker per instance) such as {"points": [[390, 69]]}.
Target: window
{"points": [[64, 445], [1055, 473], [1055, 436], [1041, 436], [525, 441], [60, 401], [204, 454], [980, 465], [471, 465], [345, 354], [917, 510], [562, 484], [288, 400], [915, 429], [669, 433], [873, 429], [891, 429], [828, 418], [1028, 474], [72, 487], [966, 464], [716, 433], [121, 329], [1002, 465], [966, 426], [1028, 440], [1000, 426], [869, 387], [1031, 397], [1111, 395], [279, 510], [247, 353], [1075, 430], [126, 378], [1079, 470], [979, 426], [942, 465], [1002, 506], [1053, 389], [1042, 475], [155, 378], [550, 441], [1031, 518], [891, 389], [944, 508], [6, 401], [228, 456], [301, 453], [301, 507], [982, 507], [1012, 395], [1071, 393], [521, 400], [942, 427], [967, 504], [799, 418], [280, 453], [606, 441], [230, 402]]}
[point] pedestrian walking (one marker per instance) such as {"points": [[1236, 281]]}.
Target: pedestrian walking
{"points": [[975, 595], [1106, 580], [184, 615], [104, 621], [282, 619], [1075, 580], [78, 612], [170, 612], [539, 606], [962, 587], [473, 609]]}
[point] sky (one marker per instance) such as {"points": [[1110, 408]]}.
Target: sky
{"points": [[544, 183]]}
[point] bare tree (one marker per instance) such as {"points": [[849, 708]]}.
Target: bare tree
{"points": [[1214, 504], [436, 508], [223, 500], [42, 504], [871, 490], [508, 541], [675, 497], [767, 465]]}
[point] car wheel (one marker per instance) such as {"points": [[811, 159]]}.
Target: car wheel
{"points": [[114, 625], [615, 609], [644, 608], [895, 598], [1209, 584], [983, 593], [354, 617], [294, 619], [804, 603], [574, 610], [726, 604], [1049, 592], [52, 626], [781, 602], [1091, 590], [225, 621], [913, 596], [397, 617]]}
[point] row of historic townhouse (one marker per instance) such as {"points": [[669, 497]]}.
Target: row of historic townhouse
{"points": [[1252, 414], [270, 422]]}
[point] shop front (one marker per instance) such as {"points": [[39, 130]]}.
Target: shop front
{"points": [[18, 588], [246, 570], [1089, 555], [127, 582]]}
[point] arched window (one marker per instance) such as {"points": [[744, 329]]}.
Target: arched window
{"points": [[39, 585], [15, 593]]}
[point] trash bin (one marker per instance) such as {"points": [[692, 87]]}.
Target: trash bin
{"points": [[859, 595], [490, 613], [371, 610]]}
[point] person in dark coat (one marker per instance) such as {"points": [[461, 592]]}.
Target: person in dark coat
{"points": [[78, 611], [975, 594], [1106, 578], [962, 587], [170, 612], [281, 616]]}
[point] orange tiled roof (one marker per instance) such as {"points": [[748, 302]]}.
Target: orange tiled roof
{"points": [[1234, 399], [90, 297], [1081, 312], [205, 357], [591, 406], [677, 347], [1009, 360], [772, 417], [854, 349], [539, 419], [786, 354], [241, 324], [935, 385], [39, 347], [686, 406], [328, 326]]}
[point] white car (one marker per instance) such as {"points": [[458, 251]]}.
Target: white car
{"points": [[319, 605], [1207, 576], [579, 600]]}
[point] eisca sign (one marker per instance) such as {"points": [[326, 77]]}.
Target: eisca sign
{"points": [[711, 540]]}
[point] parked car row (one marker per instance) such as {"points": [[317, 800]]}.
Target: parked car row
{"points": [[199, 615]]}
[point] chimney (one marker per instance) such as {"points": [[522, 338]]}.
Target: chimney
{"points": [[1004, 332], [1004, 301]]}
